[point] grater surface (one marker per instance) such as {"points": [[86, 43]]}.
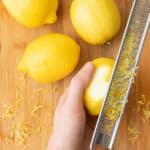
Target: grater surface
{"points": [[123, 75]]}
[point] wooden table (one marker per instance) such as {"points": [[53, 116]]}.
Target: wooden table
{"points": [[13, 40]]}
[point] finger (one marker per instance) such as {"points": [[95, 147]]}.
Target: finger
{"points": [[63, 98], [79, 83]]}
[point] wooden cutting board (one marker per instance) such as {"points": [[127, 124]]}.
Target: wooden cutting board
{"points": [[14, 85]]}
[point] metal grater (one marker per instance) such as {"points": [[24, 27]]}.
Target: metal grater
{"points": [[123, 75]]}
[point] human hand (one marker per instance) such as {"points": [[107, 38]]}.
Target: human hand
{"points": [[69, 118]]}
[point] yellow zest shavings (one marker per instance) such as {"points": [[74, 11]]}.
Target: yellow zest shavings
{"points": [[37, 90], [114, 109], [146, 109], [19, 95], [39, 107], [10, 113], [141, 102], [10, 138], [19, 98], [52, 90], [133, 130], [107, 128], [112, 114], [36, 109], [143, 98], [133, 139], [146, 114], [22, 132], [134, 76], [143, 105], [133, 134]]}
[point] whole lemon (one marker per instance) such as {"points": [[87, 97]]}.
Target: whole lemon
{"points": [[96, 90], [50, 57], [32, 13], [96, 21]]}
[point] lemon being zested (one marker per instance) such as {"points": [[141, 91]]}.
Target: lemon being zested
{"points": [[32, 13], [96, 21], [50, 57], [96, 90]]}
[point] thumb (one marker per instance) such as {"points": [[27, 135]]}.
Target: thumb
{"points": [[79, 83]]}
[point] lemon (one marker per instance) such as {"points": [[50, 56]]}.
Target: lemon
{"points": [[96, 90], [96, 21], [32, 13], [50, 57]]}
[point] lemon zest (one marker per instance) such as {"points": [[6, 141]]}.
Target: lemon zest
{"points": [[133, 134], [22, 132], [37, 90], [146, 114], [37, 108]]}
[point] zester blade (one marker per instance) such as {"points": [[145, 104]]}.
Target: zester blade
{"points": [[123, 75]]}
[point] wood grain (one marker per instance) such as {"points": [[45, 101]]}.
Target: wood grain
{"points": [[13, 40]]}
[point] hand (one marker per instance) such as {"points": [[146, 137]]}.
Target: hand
{"points": [[70, 118]]}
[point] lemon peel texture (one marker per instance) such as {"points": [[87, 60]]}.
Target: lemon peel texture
{"points": [[50, 57]]}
